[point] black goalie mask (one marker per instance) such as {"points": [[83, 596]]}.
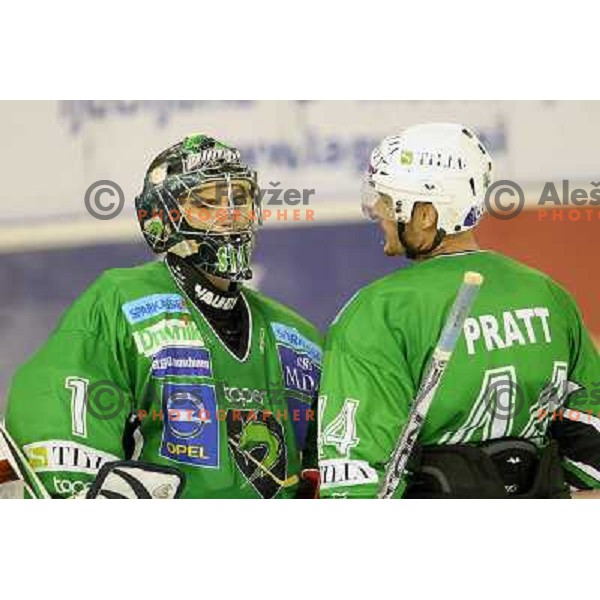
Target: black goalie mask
{"points": [[201, 202]]}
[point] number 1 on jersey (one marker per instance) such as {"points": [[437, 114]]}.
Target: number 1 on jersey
{"points": [[78, 387]]}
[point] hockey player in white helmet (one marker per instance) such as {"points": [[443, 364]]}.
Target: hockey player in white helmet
{"points": [[505, 419], [441, 172]]}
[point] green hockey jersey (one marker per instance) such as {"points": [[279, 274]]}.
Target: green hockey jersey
{"points": [[135, 371], [523, 367]]}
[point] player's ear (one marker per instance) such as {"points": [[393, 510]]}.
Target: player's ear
{"points": [[426, 215]]}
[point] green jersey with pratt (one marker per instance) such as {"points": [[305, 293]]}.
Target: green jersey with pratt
{"points": [[135, 371], [524, 367]]}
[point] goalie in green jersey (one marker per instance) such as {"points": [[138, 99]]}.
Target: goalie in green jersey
{"points": [[516, 413], [172, 378]]}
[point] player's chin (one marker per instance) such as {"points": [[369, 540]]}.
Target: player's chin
{"points": [[393, 248], [392, 245]]}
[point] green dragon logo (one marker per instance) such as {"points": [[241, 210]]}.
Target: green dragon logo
{"points": [[258, 446]]}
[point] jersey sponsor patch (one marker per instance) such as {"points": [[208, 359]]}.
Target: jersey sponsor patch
{"points": [[168, 332], [191, 427], [64, 455], [301, 377], [152, 306], [69, 487], [300, 360], [291, 337], [182, 362], [238, 396], [340, 472]]}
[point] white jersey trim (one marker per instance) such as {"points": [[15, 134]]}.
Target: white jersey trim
{"points": [[587, 469], [450, 254]]}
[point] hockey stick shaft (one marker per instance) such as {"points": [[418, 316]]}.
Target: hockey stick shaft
{"points": [[431, 381], [21, 465], [282, 482]]}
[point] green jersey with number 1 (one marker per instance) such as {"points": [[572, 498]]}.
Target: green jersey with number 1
{"points": [[524, 340], [135, 371]]}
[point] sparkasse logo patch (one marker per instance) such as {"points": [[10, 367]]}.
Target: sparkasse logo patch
{"points": [[152, 306]]}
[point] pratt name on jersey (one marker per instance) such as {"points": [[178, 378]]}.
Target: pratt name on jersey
{"points": [[521, 326]]}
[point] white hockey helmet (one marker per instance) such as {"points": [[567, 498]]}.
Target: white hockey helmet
{"points": [[441, 163]]}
